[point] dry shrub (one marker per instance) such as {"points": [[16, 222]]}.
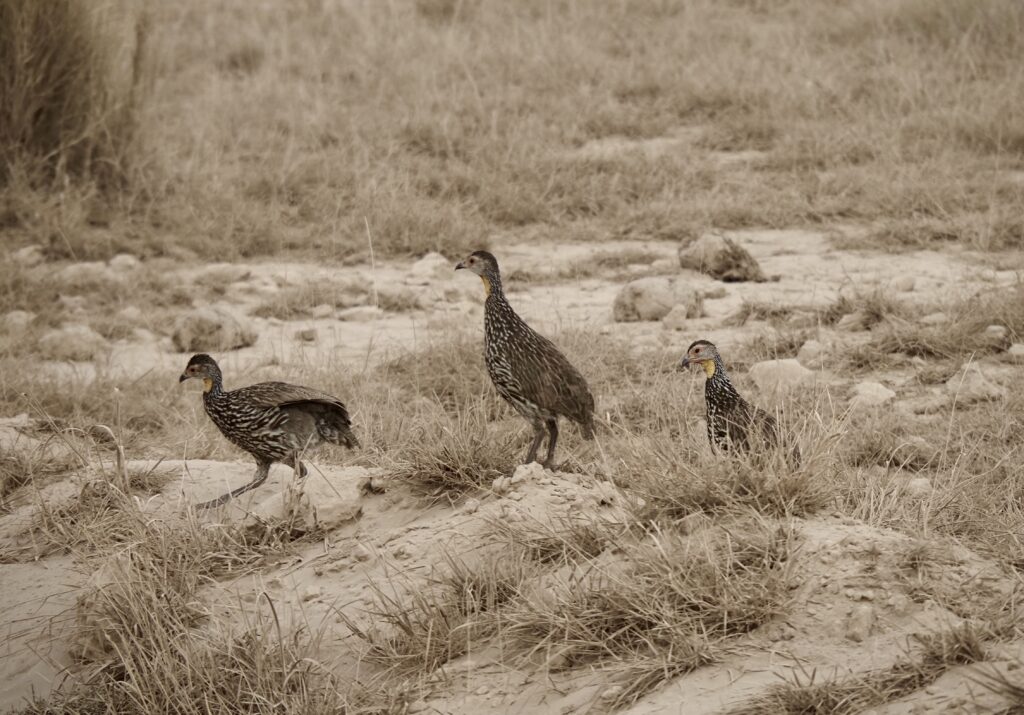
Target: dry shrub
{"points": [[416, 629], [450, 371], [935, 654], [136, 632], [71, 80], [455, 455], [964, 333], [660, 607]]}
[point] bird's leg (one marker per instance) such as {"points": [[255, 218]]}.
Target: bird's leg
{"points": [[299, 467], [552, 441], [538, 435], [262, 472]]}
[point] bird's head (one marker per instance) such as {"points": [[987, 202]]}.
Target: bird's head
{"points": [[204, 367], [702, 353], [484, 265]]}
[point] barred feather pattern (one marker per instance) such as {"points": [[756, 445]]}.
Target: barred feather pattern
{"points": [[529, 371], [734, 423], [275, 421]]}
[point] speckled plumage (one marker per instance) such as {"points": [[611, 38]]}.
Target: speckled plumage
{"points": [[732, 422], [526, 368], [272, 421]]}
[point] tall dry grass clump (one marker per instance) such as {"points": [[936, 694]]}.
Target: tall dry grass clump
{"points": [[71, 75]]}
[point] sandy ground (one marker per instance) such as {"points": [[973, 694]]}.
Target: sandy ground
{"points": [[843, 565]]}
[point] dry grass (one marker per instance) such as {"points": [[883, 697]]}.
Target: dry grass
{"points": [[455, 456], [659, 607], [936, 654], [71, 84], [437, 154]]}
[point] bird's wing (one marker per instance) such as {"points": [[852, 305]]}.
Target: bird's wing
{"points": [[549, 378], [282, 394]]}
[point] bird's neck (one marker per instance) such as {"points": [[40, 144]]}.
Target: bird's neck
{"points": [[718, 381], [492, 286], [213, 386]]}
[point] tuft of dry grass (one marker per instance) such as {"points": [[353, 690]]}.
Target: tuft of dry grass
{"points": [[431, 156], [456, 455], [662, 606], [72, 77], [136, 636], [418, 629], [935, 654]]}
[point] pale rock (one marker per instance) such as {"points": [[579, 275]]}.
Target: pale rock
{"points": [[28, 256], [811, 354], [996, 333], [918, 487], [606, 493], [969, 385], [934, 319], [900, 604], [129, 314], [397, 298], [361, 313], [72, 303], [501, 485], [664, 265], [652, 298], [860, 623], [785, 374], [431, 267], [714, 293], [527, 472], [361, 553], [870, 394], [73, 341], [417, 706], [721, 258], [927, 404], [471, 506], [212, 329], [306, 335], [311, 592], [612, 692], [644, 299], [141, 335], [853, 322], [124, 262], [675, 319], [1016, 351], [18, 319], [320, 501], [86, 273], [904, 284], [323, 310]]}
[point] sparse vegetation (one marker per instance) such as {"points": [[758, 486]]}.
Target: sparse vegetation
{"points": [[844, 696], [192, 135]]}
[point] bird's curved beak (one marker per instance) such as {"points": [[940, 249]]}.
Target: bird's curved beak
{"points": [[183, 378], [685, 363], [459, 265]]}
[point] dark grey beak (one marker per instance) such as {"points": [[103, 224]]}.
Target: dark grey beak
{"points": [[183, 377], [459, 265], [685, 363]]}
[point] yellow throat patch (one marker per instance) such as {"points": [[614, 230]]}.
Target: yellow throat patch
{"points": [[487, 284], [709, 367], [207, 384]]}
